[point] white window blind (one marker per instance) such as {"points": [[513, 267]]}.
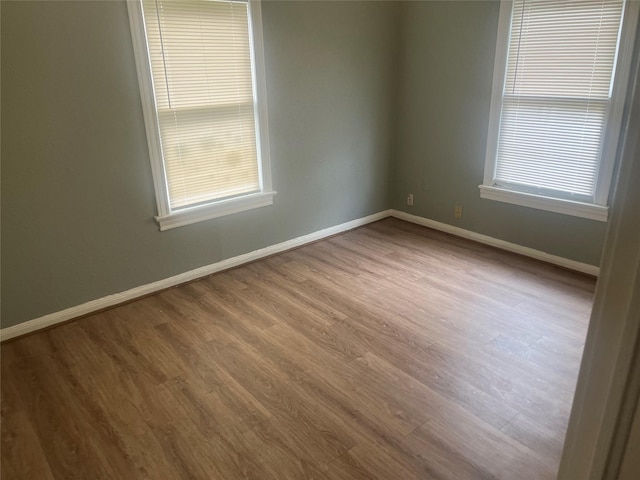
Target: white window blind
{"points": [[200, 55], [557, 88]]}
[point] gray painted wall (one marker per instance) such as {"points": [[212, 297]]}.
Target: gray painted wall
{"points": [[446, 72], [77, 194], [368, 101]]}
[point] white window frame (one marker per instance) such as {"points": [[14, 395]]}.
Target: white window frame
{"points": [[598, 210], [168, 218]]}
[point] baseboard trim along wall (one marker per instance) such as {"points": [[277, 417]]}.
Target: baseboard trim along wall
{"points": [[54, 318], [501, 244]]}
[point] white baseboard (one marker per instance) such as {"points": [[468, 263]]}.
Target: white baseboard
{"points": [[494, 242], [137, 292]]}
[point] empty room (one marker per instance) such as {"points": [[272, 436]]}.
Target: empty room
{"points": [[320, 239]]}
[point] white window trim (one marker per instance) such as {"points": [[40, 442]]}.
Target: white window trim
{"points": [[167, 218], [597, 210]]}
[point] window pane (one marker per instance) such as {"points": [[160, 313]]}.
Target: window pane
{"points": [[551, 144], [559, 73], [201, 65], [209, 153], [563, 48]]}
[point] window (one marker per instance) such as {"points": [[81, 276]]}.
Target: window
{"points": [[201, 72], [556, 109]]}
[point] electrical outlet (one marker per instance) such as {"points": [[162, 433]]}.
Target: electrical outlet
{"points": [[457, 212], [410, 199]]}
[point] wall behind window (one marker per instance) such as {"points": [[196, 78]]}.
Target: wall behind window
{"points": [[77, 194], [446, 68]]}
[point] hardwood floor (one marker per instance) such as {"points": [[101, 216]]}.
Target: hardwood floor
{"points": [[391, 351]]}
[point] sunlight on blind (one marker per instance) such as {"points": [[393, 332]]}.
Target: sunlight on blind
{"points": [[558, 83], [200, 57]]}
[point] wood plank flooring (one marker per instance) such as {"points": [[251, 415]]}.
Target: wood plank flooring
{"points": [[391, 351]]}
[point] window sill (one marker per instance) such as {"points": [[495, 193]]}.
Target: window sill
{"points": [[567, 207], [214, 210]]}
